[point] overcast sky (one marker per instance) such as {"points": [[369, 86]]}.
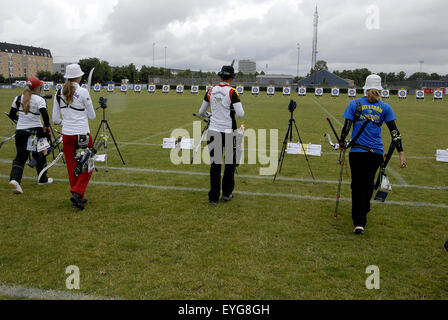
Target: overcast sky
{"points": [[207, 34]]}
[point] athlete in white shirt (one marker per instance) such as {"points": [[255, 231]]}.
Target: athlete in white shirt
{"points": [[225, 103], [26, 109], [74, 104]]}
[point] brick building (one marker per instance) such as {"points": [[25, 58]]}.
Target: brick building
{"points": [[23, 61]]}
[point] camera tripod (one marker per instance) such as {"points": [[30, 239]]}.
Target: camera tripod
{"points": [[105, 125], [288, 138]]}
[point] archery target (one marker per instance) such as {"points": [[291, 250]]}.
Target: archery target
{"points": [[208, 87], [335, 92], [59, 86], [255, 90], [286, 91], [137, 88], [302, 91], [402, 93], [438, 94], [270, 90], [110, 87], [318, 91], [46, 87], [151, 88], [96, 87], [420, 94], [180, 89], [194, 89], [385, 93], [240, 89], [352, 92], [84, 86], [124, 88], [166, 88]]}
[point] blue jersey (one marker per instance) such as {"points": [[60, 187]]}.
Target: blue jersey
{"points": [[379, 112]]}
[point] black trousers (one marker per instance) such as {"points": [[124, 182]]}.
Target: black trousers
{"points": [[22, 155], [363, 167], [216, 142]]}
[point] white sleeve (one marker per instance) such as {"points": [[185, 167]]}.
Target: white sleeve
{"points": [[239, 109], [204, 107], [42, 103], [14, 103], [56, 115], [89, 107]]}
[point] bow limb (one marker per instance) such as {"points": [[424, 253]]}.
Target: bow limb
{"points": [[335, 146], [89, 79], [59, 156], [7, 139]]}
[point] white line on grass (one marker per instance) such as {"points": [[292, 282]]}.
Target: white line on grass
{"points": [[41, 294], [258, 177], [256, 194]]}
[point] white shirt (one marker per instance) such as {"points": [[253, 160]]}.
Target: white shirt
{"points": [[32, 118], [75, 118], [221, 98]]}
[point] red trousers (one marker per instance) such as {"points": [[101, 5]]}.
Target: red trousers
{"points": [[77, 184]]}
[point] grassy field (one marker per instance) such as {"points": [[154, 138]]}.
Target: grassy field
{"points": [[148, 231]]}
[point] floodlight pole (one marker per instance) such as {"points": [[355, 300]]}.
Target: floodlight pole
{"points": [[153, 53], [165, 56], [298, 60]]}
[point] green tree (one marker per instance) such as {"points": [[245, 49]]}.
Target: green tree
{"points": [[44, 75], [320, 65], [401, 76]]}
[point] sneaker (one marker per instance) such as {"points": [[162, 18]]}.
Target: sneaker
{"points": [[229, 198], [358, 230], [77, 201], [49, 181], [15, 187], [213, 203]]}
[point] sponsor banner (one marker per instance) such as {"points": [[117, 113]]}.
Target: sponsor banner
{"points": [[255, 90], [270, 91], [302, 91], [335, 92], [351, 92], [151, 88], [318, 92], [194, 89]]}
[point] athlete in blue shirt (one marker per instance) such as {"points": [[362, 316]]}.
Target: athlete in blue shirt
{"points": [[366, 154]]}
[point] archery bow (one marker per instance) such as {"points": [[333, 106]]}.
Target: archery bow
{"points": [[11, 137], [89, 79], [204, 133]]}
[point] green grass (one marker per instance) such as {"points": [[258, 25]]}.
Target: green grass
{"points": [[143, 243]]}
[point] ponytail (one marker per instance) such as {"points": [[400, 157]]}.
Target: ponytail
{"points": [[26, 99], [68, 91], [373, 95]]}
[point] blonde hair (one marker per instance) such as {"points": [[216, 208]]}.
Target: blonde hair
{"points": [[68, 91], [26, 99], [373, 95]]}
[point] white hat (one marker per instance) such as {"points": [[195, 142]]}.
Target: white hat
{"points": [[373, 82], [73, 71]]}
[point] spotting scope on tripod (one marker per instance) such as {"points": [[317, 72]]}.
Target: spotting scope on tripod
{"points": [[288, 138], [105, 126]]}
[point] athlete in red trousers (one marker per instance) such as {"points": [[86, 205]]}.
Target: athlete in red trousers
{"points": [[74, 104]]}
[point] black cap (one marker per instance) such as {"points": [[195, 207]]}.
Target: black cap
{"points": [[227, 71]]}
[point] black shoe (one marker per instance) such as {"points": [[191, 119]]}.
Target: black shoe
{"points": [[446, 245], [77, 201], [213, 203], [227, 198]]}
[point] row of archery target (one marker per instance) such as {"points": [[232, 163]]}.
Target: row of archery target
{"points": [[255, 90]]}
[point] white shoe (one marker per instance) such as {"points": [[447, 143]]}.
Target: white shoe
{"points": [[50, 181], [15, 187]]}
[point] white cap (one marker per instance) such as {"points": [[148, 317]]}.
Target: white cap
{"points": [[73, 71], [373, 82]]}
